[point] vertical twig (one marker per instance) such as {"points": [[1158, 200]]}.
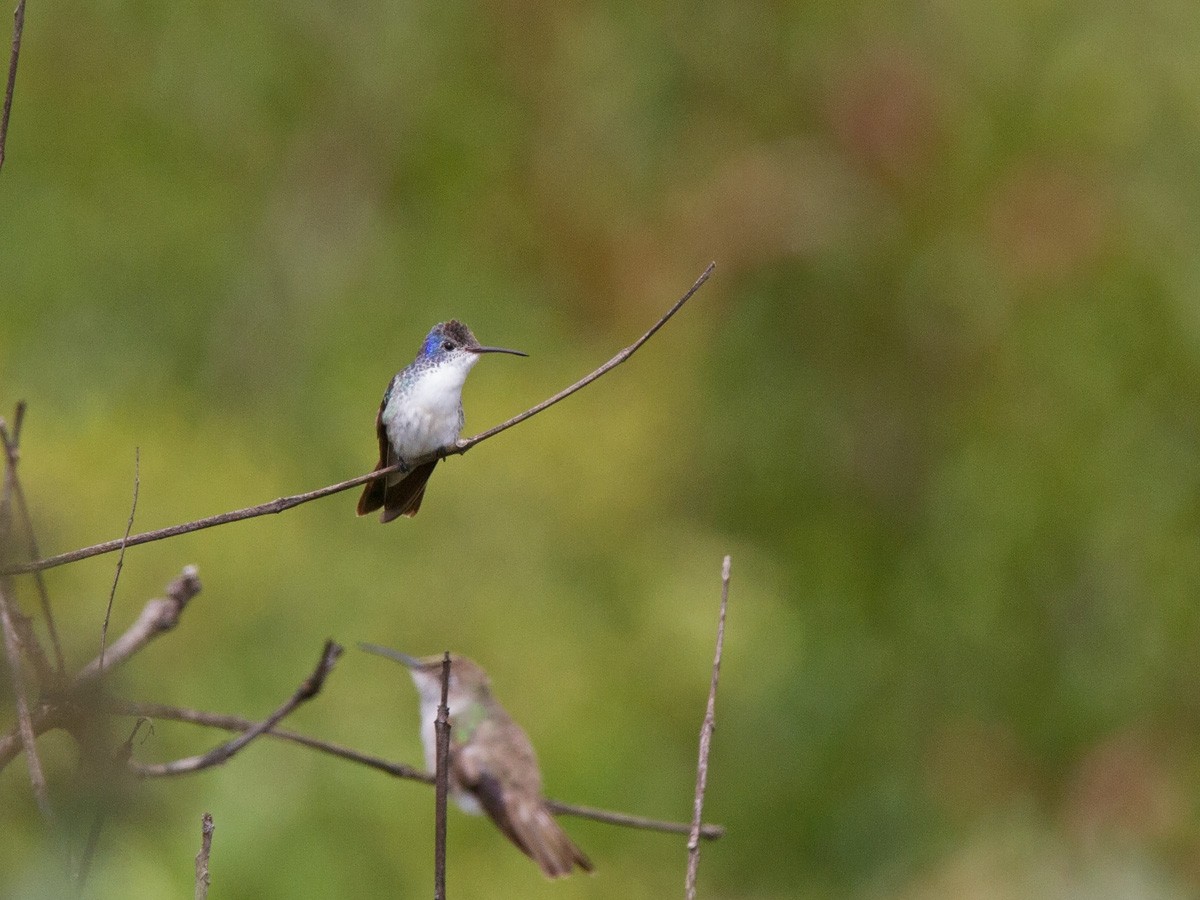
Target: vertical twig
{"points": [[137, 480], [18, 27], [706, 731], [441, 727], [12, 638], [202, 878], [16, 493], [114, 768], [37, 778]]}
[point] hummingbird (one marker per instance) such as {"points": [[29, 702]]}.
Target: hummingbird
{"points": [[492, 766], [421, 413]]}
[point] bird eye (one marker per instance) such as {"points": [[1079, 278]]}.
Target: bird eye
{"points": [[448, 345]]}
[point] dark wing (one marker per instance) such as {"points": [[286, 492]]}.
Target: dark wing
{"points": [[373, 494]]}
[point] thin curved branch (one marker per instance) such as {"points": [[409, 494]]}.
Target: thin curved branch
{"points": [[114, 768], [112, 594], [285, 503], [465, 445], [624, 820], [275, 506], [309, 688], [396, 770], [18, 27]]}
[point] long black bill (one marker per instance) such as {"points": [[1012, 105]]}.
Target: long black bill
{"points": [[403, 658], [495, 350]]}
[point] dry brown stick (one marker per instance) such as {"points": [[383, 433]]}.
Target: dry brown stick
{"points": [[28, 740], [284, 503], [18, 421], [238, 723], [625, 820], [396, 770], [137, 481], [114, 767], [464, 446], [309, 688], [16, 493], [158, 616], [6, 507], [441, 727], [706, 730], [14, 643], [202, 877], [278, 505], [18, 27]]}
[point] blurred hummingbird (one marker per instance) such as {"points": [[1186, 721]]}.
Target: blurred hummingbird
{"points": [[492, 766], [421, 413]]}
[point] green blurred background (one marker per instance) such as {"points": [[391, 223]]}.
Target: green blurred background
{"points": [[939, 402]]}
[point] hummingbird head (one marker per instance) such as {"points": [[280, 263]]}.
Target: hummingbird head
{"points": [[467, 679], [452, 342]]}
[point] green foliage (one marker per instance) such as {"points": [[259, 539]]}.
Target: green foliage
{"points": [[938, 402]]}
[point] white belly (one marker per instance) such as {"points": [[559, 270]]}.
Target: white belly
{"points": [[429, 416]]}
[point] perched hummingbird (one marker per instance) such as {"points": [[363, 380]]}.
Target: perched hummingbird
{"points": [[421, 413], [492, 766]]}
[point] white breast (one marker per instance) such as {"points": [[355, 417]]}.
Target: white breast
{"points": [[429, 415], [466, 802]]}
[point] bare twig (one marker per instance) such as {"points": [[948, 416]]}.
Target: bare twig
{"points": [[18, 27], [18, 636], [308, 689], [37, 778], [396, 770], [275, 506], [706, 730], [624, 820], [237, 723], [202, 878], [285, 503], [89, 851], [137, 481], [114, 767], [159, 615], [441, 727], [464, 446], [18, 421], [14, 491]]}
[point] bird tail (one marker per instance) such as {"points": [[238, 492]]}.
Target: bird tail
{"points": [[527, 822], [550, 847], [404, 497]]}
